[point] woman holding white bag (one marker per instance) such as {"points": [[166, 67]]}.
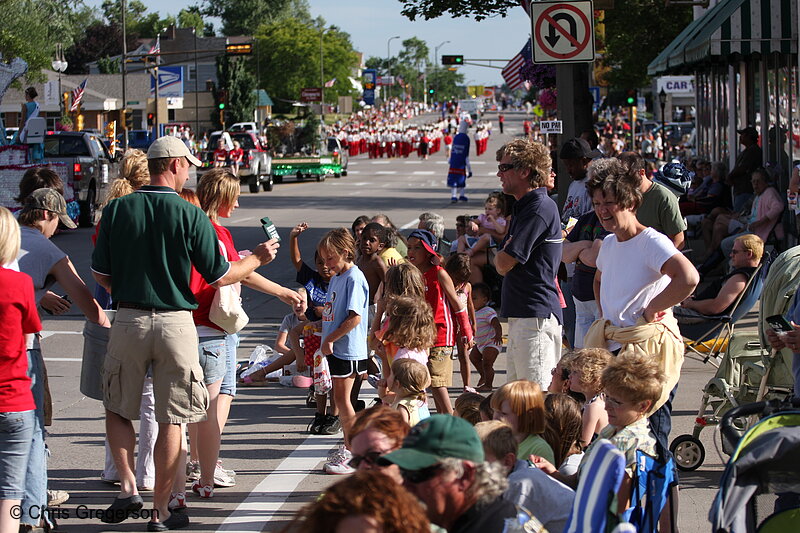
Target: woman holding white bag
{"points": [[218, 193]]}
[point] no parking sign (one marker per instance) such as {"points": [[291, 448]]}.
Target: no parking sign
{"points": [[563, 32]]}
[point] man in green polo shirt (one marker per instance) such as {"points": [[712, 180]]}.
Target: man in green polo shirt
{"points": [[147, 243]]}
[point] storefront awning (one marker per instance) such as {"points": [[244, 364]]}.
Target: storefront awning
{"points": [[733, 28]]}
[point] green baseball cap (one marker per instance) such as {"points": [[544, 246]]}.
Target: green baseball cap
{"points": [[435, 438]]}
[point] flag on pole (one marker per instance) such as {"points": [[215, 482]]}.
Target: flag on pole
{"points": [[511, 72], [330, 83], [77, 95], [156, 48]]}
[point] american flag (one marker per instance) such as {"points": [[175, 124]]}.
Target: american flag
{"points": [[156, 48], [330, 83], [511, 72], [77, 95]]}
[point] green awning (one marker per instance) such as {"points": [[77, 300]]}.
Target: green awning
{"points": [[732, 27], [262, 98], [659, 64], [746, 27]]}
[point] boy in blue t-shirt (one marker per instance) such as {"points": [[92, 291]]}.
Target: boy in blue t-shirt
{"points": [[344, 322]]}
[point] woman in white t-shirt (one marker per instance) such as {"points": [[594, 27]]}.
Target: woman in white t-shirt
{"points": [[640, 276]]}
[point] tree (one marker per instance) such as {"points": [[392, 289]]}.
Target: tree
{"points": [[31, 30], [636, 32], [288, 55], [191, 18], [98, 41], [480, 9], [137, 20], [239, 85], [242, 17]]}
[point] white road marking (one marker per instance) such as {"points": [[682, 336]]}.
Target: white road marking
{"points": [[413, 224], [64, 359], [353, 172], [245, 219], [477, 162], [443, 162], [412, 162], [381, 162], [360, 183], [423, 172], [386, 172], [272, 492]]}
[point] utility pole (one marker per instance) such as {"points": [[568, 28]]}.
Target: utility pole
{"points": [[124, 73]]}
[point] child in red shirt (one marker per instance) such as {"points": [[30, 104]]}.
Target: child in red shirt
{"points": [[220, 155], [448, 312]]}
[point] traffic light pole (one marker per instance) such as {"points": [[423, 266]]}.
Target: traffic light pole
{"points": [[124, 81]]}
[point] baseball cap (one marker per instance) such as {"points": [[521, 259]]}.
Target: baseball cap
{"points": [[577, 148], [50, 200], [169, 146], [749, 130], [429, 241], [675, 177], [435, 438]]}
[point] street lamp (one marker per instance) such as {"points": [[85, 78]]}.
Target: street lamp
{"points": [[388, 57], [436, 53], [662, 99], [59, 65]]}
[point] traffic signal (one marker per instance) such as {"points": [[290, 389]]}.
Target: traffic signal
{"points": [[127, 119], [431, 90], [452, 60], [631, 97], [222, 99], [151, 119], [240, 49]]}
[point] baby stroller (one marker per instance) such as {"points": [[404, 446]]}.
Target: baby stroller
{"points": [[748, 371], [760, 488]]}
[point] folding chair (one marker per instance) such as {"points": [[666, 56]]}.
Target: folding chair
{"points": [[600, 480], [714, 341]]}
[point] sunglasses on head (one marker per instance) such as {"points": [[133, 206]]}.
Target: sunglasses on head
{"points": [[503, 167], [371, 458], [420, 476]]}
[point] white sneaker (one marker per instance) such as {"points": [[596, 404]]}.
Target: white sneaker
{"points": [[56, 497], [339, 462], [231, 473], [221, 478]]}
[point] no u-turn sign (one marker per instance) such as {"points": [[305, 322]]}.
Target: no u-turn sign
{"points": [[563, 32]]}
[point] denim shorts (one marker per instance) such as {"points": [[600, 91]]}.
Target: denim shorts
{"points": [[16, 434], [213, 358], [229, 381]]}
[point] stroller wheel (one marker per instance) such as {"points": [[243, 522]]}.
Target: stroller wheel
{"points": [[688, 452]]}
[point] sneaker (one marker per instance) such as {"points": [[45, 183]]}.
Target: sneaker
{"points": [[315, 424], [453, 200], [462, 198], [339, 462], [311, 399], [177, 501], [373, 380], [228, 471], [56, 497], [221, 478], [193, 470], [204, 491], [330, 426]]}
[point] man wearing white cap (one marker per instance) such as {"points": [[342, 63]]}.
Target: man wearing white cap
{"points": [[146, 247]]}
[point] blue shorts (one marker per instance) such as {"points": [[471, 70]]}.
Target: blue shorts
{"points": [[229, 381], [213, 358], [16, 434]]}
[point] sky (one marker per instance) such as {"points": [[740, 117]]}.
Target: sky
{"points": [[371, 23]]}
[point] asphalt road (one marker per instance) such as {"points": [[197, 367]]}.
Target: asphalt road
{"points": [[277, 462]]}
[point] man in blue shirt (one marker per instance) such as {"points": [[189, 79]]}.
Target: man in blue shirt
{"points": [[529, 258]]}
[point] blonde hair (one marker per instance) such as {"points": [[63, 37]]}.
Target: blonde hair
{"points": [[752, 243], [403, 280], [497, 438], [133, 174], [9, 237], [340, 241], [636, 377], [412, 377], [529, 155], [590, 362], [526, 401], [217, 189], [411, 323]]}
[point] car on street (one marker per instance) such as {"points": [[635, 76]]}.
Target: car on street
{"points": [[676, 132], [90, 168], [256, 167]]}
